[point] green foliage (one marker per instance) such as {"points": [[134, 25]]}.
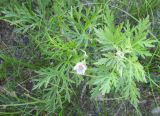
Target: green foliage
{"points": [[28, 16], [56, 87], [80, 23], [68, 32], [120, 49]]}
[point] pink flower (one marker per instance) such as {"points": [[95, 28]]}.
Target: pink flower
{"points": [[80, 68]]}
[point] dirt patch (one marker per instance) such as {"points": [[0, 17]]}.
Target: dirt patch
{"points": [[7, 36]]}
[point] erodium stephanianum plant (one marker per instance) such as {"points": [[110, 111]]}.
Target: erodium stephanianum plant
{"points": [[58, 36]]}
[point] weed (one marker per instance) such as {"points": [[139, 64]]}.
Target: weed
{"points": [[77, 41]]}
